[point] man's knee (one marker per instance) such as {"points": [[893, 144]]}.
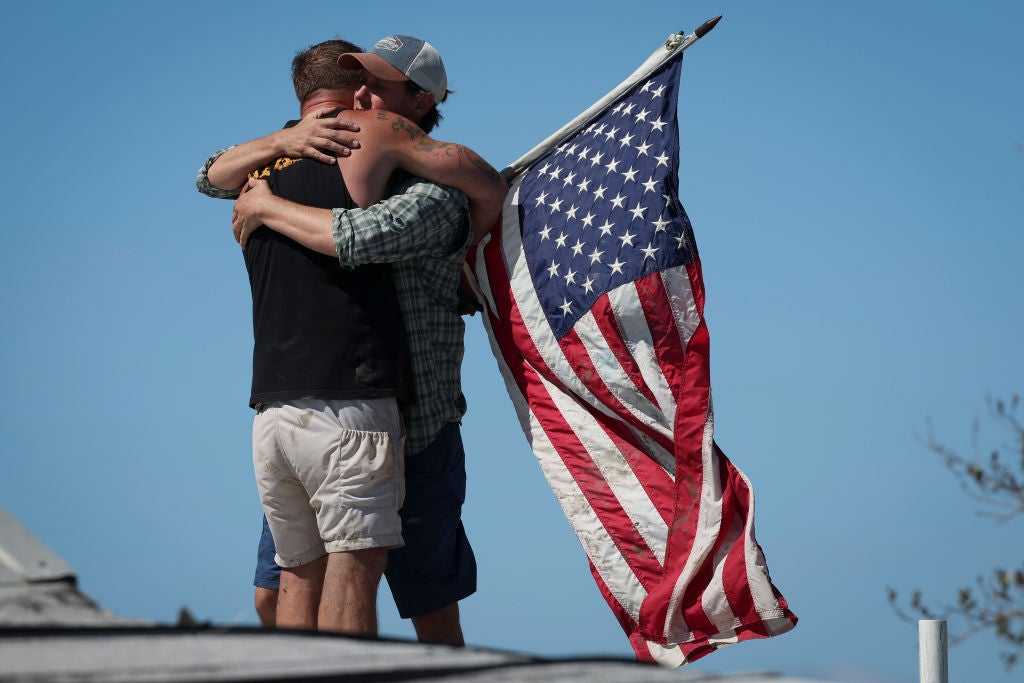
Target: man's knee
{"points": [[370, 562], [266, 606], [354, 572], [375, 559]]}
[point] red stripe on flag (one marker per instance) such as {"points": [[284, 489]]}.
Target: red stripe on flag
{"points": [[696, 272]]}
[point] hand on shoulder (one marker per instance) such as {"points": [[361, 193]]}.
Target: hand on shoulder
{"points": [[320, 137]]}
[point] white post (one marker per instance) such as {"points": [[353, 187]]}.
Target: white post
{"points": [[932, 642]]}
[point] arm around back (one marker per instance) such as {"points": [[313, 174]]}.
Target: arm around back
{"points": [[316, 136], [423, 219]]}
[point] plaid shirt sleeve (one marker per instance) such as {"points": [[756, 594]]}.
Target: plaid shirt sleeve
{"points": [[421, 219], [203, 180]]}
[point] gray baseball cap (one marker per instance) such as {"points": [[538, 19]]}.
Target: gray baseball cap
{"points": [[400, 58]]}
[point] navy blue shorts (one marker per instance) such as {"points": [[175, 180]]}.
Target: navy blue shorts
{"points": [[268, 574], [436, 567]]}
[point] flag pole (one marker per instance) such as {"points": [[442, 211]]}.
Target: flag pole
{"points": [[675, 44]]}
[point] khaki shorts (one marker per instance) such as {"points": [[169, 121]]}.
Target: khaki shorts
{"points": [[330, 476]]}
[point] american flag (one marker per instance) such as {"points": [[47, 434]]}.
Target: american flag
{"points": [[594, 307]]}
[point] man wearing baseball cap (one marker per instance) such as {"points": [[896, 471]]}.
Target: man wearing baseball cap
{"points": [[424, 228], [406, 61], [403, 58]]}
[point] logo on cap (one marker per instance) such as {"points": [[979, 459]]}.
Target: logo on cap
{"points": [[391, 43]]}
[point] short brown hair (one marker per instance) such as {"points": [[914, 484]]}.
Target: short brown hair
{"points": [[317, 67]]}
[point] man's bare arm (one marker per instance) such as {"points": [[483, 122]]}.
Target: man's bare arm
{"points": [[315, 136], [461, 168], [392, 141]]}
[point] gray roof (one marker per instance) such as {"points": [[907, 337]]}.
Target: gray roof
{"points": [[38, 588], [23, 557], [251, 654]]}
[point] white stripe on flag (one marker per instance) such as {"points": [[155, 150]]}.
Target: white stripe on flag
{"points": [[629, 314], [684, 308]]}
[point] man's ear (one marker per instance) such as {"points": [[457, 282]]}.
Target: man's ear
{"points": [[424, 103]]}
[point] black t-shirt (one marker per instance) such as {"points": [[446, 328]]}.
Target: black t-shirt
{"points": [[320, 331]]}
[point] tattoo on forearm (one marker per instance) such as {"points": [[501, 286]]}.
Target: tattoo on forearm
{"points": [[482, 165], [435, 147], [401, 125]]}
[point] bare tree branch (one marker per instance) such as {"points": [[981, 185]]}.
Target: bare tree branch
{"points": [[995, 603], [992, 481]]}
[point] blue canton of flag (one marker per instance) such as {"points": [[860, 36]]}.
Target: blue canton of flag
{"points": [[607, 199]]}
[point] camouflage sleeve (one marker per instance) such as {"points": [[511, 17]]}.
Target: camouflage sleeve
{"points": [[203, 181]]}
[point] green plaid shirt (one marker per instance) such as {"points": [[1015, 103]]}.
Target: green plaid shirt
{"points": [[423, 230], [203, 180]]}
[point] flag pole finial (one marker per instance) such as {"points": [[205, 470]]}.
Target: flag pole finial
{"points": [[706, 27]]}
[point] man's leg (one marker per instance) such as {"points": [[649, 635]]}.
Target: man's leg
{"points": [[440, 626], [356, 489], [299, 597], [348, 603], [289, 518], [265, 600], [267, 579], [436, 568]]}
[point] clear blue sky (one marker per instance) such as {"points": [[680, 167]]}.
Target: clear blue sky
{"points": [[855, 176]]}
